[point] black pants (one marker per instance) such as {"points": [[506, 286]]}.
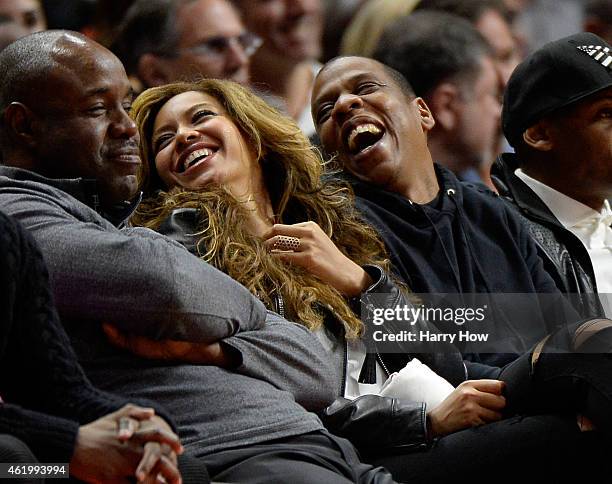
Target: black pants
{"points": [[565, 378], [541, 442], [545, 448], [314, 458], [14, 450]]}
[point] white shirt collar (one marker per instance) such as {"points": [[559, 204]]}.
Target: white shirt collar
{"points": [[568, 211]]}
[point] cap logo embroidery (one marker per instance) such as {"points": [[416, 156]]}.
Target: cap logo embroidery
{"points": [[599, 53]]}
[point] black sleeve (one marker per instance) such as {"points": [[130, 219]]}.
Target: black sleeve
{"points": [[373, 423], [51, 439], [45, 375]]}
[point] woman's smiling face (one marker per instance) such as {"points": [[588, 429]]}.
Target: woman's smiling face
{"points": [[196, 144]]}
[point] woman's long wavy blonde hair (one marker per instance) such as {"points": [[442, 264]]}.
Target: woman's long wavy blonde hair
{"points": [[292, 171]]}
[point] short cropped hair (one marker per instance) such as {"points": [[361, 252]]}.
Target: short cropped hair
{"points": [[149, 27], [431, 47], [26, 63], [400, 81]]}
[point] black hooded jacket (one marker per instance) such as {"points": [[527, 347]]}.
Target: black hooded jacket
{"points": [[466, 241]]}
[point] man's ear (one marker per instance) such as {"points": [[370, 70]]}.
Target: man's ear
{"points": [[427, 119], [443, 100], [538, 136], [21, 123], [152, 71]]}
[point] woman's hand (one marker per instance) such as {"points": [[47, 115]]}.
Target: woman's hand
{"points": [[131, 442], [472, 403], [319, 256]]}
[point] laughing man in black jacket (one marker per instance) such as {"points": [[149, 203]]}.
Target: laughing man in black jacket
{"points": [[444, 236]]}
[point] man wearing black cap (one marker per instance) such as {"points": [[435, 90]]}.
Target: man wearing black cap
{"points": [[558, 117]]}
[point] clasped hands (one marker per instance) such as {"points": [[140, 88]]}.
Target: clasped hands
{"points": [[131, 442]]}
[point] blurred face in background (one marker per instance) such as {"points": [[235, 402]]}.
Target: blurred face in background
{"points": [[26, 13], [213, 43], [496, 30], [289, 28], [478, 118]]}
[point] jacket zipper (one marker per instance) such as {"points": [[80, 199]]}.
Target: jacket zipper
{"points": [[382, 363], [280, 305]]}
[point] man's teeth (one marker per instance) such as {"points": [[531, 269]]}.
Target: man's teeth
{"points": [[363, 128], [195, 155]]}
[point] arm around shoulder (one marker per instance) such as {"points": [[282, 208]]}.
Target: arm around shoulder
{"points": [[140, 281]]}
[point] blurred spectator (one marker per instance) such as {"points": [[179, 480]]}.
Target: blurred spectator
{"points": [[489, 17], [162, 41], [286, 63], [27, 13], [515, 7], [9, 32], [338, 16], [450, 65], [598, 18], [107, 18], [362, 35], [69, 14], [543, 21]]}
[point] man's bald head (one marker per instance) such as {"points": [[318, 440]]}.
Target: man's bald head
{"points": [[64, 102], [28, 63]]}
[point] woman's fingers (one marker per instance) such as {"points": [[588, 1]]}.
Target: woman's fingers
{"points": [[300, 230], [285, 243]]}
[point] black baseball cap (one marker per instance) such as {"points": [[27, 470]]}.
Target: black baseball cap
{"points": [[558, 74]]}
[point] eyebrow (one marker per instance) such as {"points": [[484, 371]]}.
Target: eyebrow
{"points": [[96, 90], [187, 114], [104, 89], [326, 95]]}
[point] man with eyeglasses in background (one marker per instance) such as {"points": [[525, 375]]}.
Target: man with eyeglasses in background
{"points": [[162, 41]]}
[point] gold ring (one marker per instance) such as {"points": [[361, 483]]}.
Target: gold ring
{"points": [[286, 243]]}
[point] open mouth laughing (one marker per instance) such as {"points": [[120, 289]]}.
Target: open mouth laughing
{"points": [[194, 157], [361, 136]]}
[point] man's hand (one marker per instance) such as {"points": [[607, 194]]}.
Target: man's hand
{"points": [[215, 354], [472, 403], [133, 442]]}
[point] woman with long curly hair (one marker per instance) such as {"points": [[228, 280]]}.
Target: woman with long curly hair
{"points": [[240, 186], [246, 207]]}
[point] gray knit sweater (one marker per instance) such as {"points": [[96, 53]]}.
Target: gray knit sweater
{"points": [[146, 284]]}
